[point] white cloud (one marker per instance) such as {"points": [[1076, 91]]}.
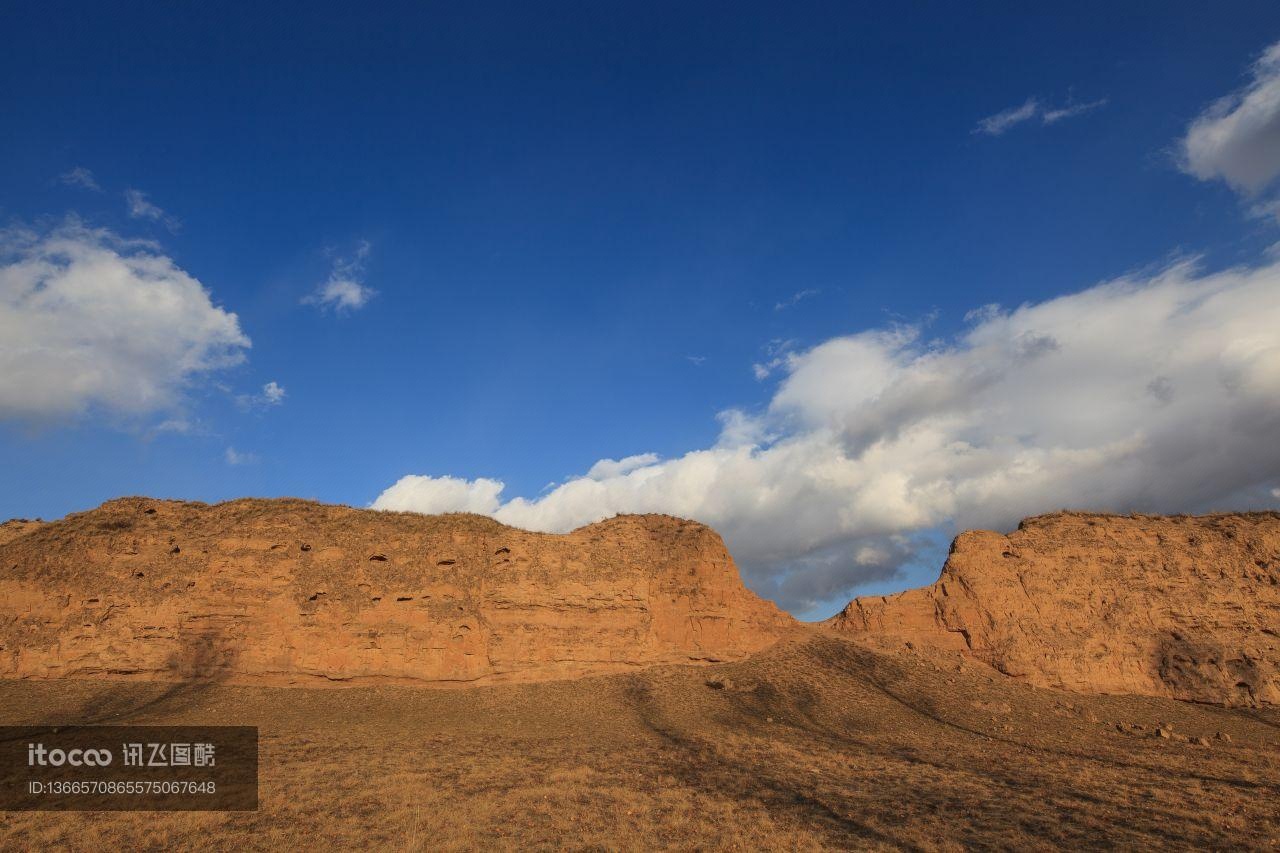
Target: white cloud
{"points": [[235, 457], [1237, 138], [343, 294], [778, 353], [1032, 108], [344, 290], [607, 469], [140, 207], [696, 360], [1159, 393], [794, 298], [90, 320], [80, 177], [1053, 116], [418, 493], [982, 313], [1268, 209], [179, 425], [994, 125], [272, 394]]}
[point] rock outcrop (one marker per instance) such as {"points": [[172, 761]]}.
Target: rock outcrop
{"points": [[290, 592], [1185, 607]]}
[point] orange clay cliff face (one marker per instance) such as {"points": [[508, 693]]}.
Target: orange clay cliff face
{"points": [[289, 592], [1185, 607]]}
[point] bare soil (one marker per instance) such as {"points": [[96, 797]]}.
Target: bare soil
{"points": [[817, 743]]}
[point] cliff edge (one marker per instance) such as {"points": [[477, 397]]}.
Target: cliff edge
{"points": [[290, 592], [1184, 607]]}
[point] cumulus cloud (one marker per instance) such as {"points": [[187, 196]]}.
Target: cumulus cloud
{"points": [[141, 207], [1237, 138], [80, 177], [607, 469], [344, 290], [1157, 393], [1031, 109], [420, 493], [90, 320]]}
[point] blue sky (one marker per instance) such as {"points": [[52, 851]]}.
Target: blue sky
{"points": [[578, 232]]}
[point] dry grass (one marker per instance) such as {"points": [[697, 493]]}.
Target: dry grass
{"points": [[817, 744]]}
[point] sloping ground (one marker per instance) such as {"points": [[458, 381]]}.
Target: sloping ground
{"points": [[818, 743], [1186, 607], [293, 592], [15, 527]]}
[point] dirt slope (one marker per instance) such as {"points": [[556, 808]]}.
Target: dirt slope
{"points": [[1185, 607], [292, 592], [819, 744], [15, 527]]}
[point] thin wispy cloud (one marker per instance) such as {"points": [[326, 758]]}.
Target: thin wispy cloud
{"points": [[235, 457], [80, 177], [795, 298], [1031, 110], [696, 360], [179, 425], [994, 125], [1053, 116], [778, 352], [1237, 138], [345, 289], [1269, 209], [272, 394], [141, 207]]}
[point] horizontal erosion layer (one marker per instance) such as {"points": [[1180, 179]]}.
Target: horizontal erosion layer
{"points": [[294, 592], [1180, 606]]}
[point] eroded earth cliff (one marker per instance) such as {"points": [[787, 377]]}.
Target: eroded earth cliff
{"points": [[293, 592], [1185, 607]]}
